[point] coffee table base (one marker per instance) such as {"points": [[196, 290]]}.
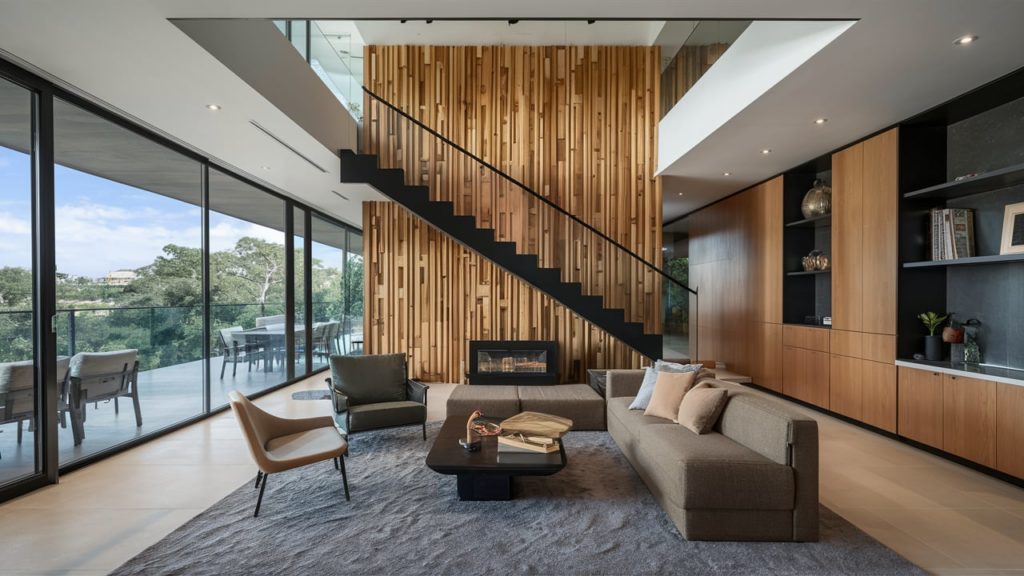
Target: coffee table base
{"points": [[483, 486]]}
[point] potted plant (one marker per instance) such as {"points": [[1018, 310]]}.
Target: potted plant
{"points": [[933, 341]]}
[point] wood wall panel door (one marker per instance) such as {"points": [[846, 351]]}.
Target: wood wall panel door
{"points": [[804, 337], [969, 418], [878, 387], [846, 386], [766, 350], [847, 238], [846, 343], [1010, 429], [806, 375], [879, 348], [879, 255], [767, 239], [921, 406]]}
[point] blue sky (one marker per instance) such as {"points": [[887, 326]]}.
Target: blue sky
{"points": [[103, 226]]}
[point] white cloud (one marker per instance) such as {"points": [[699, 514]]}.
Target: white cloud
{"points": [[11, 224]]}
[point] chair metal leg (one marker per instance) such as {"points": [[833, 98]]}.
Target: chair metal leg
{"points": [[336, 466], [138, 409], [259, 476], [223, 365], [19, 431], [259, 500], [117, 409], [344, 477]]}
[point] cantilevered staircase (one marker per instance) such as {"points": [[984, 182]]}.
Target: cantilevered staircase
{"points": [[493, 214]]}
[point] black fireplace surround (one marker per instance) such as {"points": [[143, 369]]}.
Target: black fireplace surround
{"points": [[525, 362]]}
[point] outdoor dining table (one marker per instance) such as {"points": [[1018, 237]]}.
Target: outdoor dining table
{"points": [[271, 339]]}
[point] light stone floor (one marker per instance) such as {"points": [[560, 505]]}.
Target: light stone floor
{"points": [[944, 517]]}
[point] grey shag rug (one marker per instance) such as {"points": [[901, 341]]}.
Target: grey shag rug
{"points": [[594, 517], [311, 395]]}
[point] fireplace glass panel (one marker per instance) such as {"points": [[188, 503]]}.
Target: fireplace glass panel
{"points": [[512, 361]]}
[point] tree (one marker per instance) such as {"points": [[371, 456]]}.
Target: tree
{"points": [[15, 288]]}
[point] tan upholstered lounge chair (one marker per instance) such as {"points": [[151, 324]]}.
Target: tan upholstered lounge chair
{"points": [[278, 444]]}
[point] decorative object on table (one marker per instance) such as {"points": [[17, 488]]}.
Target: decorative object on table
{"points": [[537, 424], [972, 352], [954, 336], [483, 427], [933, 341], [952, 233], [817, 201], [826, 321], [1013, 229], [470, 442]]}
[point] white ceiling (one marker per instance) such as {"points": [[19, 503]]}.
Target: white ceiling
{"points": [[896, 61], [501, 33]]}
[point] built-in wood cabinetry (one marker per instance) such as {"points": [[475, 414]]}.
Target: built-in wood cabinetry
{"points": [[805, 364], [1010, 429], [920, 406], [969, 418], [979, 420]]}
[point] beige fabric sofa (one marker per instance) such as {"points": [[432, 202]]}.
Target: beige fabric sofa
{"points": [[755, 477], [577, 402]]}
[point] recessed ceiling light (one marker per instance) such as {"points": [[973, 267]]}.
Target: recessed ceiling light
{"points": [[680, 193], [726, 173], [820, 121], [965, 39], [265, 167], [766, 151], [213, 107]]}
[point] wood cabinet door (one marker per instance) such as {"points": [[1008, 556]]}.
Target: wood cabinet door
{"points": [[878, 394], [847, 238], [845, 386], [969, 418], [1010, 429], [766, 352], [806, 375], [879, 248], [920, 406]]}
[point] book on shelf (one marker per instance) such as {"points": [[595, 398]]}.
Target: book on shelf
{"points": [[518, 443], [952, 233]]}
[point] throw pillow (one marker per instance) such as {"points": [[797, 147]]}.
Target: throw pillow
{"points": [[668, 393], [701, 407], [643, 396]]}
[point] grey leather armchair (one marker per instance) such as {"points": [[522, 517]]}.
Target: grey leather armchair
{"points": [[373, 392]]}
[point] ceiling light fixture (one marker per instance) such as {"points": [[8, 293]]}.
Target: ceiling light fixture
{"points": [[340, 195], [680, 193], [265, 167], [766, 151], [213, 107], [820, 121], [965, 40], [726, 173]]}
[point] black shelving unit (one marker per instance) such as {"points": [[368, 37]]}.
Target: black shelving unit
{"points": [[805, 294], [978, 132]]}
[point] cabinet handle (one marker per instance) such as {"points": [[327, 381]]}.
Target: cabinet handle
{"points": [[952, 377], [935, 373]]}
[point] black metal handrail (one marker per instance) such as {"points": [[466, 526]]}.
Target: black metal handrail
{"points": [[513, 180]]}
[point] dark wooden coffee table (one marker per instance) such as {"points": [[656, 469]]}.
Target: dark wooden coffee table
{"points": [[482, 475]]}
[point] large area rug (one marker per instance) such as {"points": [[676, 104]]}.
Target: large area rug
{"points": [[594, 517]]}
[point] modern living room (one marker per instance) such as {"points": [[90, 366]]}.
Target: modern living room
{"points": [[583, 288]]}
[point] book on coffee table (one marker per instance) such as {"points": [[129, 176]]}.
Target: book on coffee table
{"points": [[527, 444]]}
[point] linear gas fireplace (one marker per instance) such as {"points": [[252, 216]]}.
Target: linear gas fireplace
{"points": [[513, 362]]}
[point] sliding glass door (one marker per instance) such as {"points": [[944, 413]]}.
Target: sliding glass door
{"points": [[19, 409]]}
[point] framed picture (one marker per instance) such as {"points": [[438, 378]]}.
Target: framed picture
{"points": [[1013, 229]]}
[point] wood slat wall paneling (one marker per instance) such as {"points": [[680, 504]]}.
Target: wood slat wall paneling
{"points": [[577, 124], [428, 296]]}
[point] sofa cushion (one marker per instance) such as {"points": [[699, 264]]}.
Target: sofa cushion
{"points": [[370, 379], [668, 393], [711, 471], [385, 414], [643, 397], [701, 407], [577, 402], [495, 401]]}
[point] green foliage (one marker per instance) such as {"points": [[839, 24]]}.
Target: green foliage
{"points": [[160, 313], [932, 321], [677, 299]]}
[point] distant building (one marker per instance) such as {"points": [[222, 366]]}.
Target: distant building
{"points": [[120, 278]]}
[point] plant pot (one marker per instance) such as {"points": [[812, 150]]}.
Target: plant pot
{"points": [[933, 347]]}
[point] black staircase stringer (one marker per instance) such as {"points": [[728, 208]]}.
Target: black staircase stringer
{"points": [[362, 168]]}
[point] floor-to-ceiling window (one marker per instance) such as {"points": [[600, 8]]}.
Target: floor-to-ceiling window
{"points": [[169, 284], [18, 410], [328, 289], [128, 242], [352, 336], [248, 327]]}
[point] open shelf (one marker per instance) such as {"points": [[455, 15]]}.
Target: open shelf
{"points": [[808, 272], [996, 259], [816, 222], [985, 182]]}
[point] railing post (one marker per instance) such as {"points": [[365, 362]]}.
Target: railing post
{"points": [[71, 333], [152, 313]]}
